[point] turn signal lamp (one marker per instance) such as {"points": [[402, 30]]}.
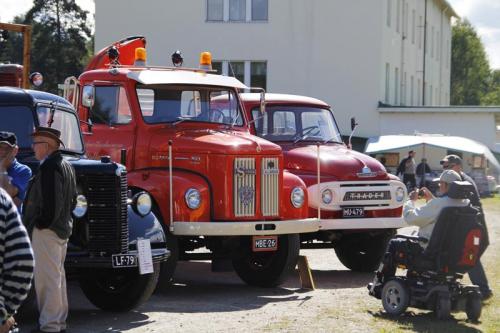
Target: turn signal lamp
{"points": [[140, 57], [206, 61]]}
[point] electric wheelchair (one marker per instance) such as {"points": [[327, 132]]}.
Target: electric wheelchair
{"points": [[432, 278]]}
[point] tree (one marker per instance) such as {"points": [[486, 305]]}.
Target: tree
{"points": [[492, 97], [470, 69], [59, 43]]}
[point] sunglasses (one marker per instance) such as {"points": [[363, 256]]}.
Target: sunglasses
{"points": [[448, 166]]}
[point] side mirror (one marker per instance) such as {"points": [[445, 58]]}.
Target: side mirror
{"points": [[353, 123], [262, 102], [88, 96]]}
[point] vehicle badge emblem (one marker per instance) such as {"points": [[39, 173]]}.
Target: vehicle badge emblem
{"points": [[270, 164], [366, 170], [246, 194]]}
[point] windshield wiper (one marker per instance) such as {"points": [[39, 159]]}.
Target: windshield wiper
{"points": [[180, 120], [330, 140], [307, 134]]}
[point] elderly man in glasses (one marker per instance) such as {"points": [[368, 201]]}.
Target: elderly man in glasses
{"points": [[476, 274]]}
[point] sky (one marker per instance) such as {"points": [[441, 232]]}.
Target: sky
{"points": [[483, 14]]}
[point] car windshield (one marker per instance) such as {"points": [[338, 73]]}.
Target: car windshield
{"points": [[171, 104], [64, 121], [19, 120], [296, 123]]}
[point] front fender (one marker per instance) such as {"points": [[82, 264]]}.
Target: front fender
{"points": [[147, 227]]}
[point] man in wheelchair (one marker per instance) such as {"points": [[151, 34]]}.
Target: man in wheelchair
{"points": [[450, 240]]}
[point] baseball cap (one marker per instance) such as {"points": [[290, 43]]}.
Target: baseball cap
{"points": [[8, 138], [451, 159], [449, 176]]}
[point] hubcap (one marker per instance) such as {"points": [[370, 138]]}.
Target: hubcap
{"points": [[393, 297]]}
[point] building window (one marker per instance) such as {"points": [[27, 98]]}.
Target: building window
{"points": [[438, 48], [398, 11], [215, 10], [412, 90], [387, 82], [432, 42], [389, 9], [420, 28], [396, 86], [237, 10], [419, 92], [413, 26], [259, 10], [430, 95], [405, 20], [403, 90], [251, 73]]}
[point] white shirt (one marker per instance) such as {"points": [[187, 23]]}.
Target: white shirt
{"points": [[425, 217]]}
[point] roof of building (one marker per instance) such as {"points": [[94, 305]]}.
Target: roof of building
{"points": [[446, 4], [285, 98], [439, 109], [172, 76]]}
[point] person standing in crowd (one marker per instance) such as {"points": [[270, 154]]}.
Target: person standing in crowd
{"points": [[407, 169], [47, 212], [476, 274], [422, 169], [16, 262], [14, 176]]}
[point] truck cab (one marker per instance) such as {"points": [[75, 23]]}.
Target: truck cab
{"points": [[103, 252], [358, 204], [185, 140]]}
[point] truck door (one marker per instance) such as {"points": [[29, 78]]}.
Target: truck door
{"points": [[113, 128]]}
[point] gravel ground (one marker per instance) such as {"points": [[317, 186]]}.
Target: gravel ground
{"points": [[203, 301]]}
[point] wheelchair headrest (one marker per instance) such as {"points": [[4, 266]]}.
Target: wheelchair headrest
{"points": [[461, 190]]}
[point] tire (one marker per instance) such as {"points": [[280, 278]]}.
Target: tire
{"points": [[443, 306], [119, 289], [473, 306], [395, 297], [267, 269], [362, 253]]}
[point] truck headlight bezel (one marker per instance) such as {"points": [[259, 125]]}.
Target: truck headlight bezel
{"points": [[400, 194], [327, 196], [297, 197], [193, 198], [142, 203], [81, 206]]}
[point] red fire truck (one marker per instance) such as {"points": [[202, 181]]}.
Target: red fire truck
{"points": [[185, 140], [359, 204]]}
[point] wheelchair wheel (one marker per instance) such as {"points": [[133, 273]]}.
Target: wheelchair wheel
{"points": [[395, 297], [443, 306], [473, 306]]}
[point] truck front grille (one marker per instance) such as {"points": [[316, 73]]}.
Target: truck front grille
{"points": [[270, 186], [244, 187], [107, 213]]}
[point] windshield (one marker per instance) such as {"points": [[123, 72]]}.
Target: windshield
{"points": [[296, 123], [64, 121], [167, 103], [19, 120]]}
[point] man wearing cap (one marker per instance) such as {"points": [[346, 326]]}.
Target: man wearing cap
{"points": [[14, 176], [425, 218], [476, 274], [47, 213]]}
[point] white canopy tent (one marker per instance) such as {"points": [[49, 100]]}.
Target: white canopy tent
{"points": [[388, 143]]}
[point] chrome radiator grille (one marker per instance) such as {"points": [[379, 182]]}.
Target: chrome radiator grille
{"points": [[270, 186], [244, 187]]}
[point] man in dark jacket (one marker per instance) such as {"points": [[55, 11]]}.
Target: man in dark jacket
{"points": [[47, 214], [476, 274]]}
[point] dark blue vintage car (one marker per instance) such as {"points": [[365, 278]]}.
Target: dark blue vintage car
{"points": [[102, 251]]}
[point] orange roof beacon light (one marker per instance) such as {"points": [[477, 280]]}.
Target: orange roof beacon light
{"points": [[140, 57], [206, 61]]}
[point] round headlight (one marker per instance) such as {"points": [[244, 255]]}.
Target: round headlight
{"points": [[81, 206], [400, 194], [193, 198], [297, 197], [142, 203], [327, 196]]}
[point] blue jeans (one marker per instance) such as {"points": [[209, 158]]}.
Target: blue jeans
{"points": [[478, 277]]}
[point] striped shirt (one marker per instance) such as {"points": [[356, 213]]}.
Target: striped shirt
{"points": [[16, 258]]}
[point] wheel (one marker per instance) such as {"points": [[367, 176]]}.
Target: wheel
{"points": [[443, 306], [395, 297], [267, 269], [473, 306], [362, 253], [119, 289]]}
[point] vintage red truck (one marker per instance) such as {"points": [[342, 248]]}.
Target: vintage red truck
{"points": [[185, 140], [360, 203]]}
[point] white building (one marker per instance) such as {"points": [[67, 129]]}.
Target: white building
{"points": [[352, 54]]}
